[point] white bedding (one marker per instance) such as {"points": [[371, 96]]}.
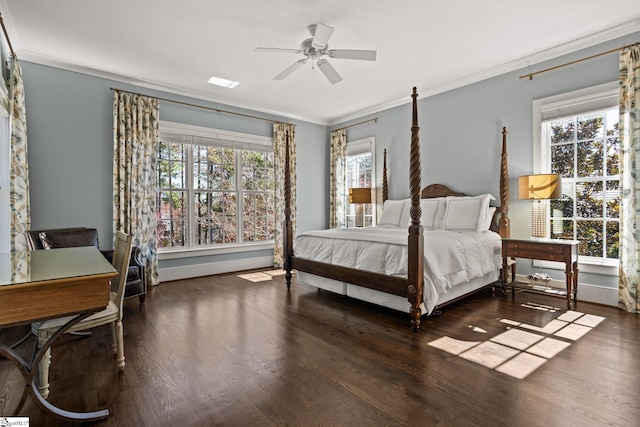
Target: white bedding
{"points": [[452, 258]]}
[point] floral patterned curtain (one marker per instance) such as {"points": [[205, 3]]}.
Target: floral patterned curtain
{"points": [[19, 173], [279, 132], [628, 296], [135, 138], [338, 179]]}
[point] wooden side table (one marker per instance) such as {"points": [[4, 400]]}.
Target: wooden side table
{"points": [[545, 250]]}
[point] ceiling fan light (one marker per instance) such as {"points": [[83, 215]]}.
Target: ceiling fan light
{"points": [[222, 82]]}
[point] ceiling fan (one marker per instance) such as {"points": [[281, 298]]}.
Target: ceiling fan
{"points": [[315, 48]]}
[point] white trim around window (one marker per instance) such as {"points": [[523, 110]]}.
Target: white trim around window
{"points": [[361, 146], [227, 139], [580, 101], [234, 139]]}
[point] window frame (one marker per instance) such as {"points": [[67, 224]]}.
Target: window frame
{"points": [[227, 139], [566, 104], [360, 146]]}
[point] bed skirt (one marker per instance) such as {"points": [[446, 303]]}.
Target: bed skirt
{"points": [[431, 297]]}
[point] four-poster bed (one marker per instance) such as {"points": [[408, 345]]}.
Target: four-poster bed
{"points": [[390, 267]]}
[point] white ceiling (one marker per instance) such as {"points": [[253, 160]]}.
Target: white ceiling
{"points": [[176, 46]]}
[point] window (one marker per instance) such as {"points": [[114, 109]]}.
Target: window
{"points": [[213, 188], [579, 139], [361, 174]]}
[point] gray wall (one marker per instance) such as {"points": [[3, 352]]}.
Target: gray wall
{"points": [[70, 138]]}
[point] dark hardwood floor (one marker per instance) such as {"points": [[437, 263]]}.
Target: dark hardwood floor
{"points": [[222, 350]]}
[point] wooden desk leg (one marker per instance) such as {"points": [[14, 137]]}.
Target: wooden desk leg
{"points": [[513, 279], [575, 283], [505, 275], [569, 278], [504, 272]]}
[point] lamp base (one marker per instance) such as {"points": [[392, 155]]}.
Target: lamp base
{"points": [[538, 219]]}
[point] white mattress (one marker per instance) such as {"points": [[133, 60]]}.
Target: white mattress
{"points": [[455, 262]]}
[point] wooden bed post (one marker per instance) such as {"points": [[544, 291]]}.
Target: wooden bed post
{"points": [[415, 273], [504, 225], [385, 185], [288, 229]]}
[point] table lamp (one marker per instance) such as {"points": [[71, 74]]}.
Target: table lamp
{"points": [[546, 186], [359, 196]]}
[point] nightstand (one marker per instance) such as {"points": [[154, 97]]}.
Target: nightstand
{"points": [[565, 251]]}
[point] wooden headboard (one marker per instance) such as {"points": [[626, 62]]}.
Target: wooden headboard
{"points": [[438, 190]]}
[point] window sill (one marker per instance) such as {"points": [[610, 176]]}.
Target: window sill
{"points": [[608, 267], [177, 253]]}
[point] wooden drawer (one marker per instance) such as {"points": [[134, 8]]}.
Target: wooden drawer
{"points": [[537, 250]]}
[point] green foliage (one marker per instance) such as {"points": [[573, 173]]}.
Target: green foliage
{"points": [[359, 171], [584, 150]]}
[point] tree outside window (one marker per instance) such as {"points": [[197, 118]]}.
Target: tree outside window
{"points": [[209, 193], [584, 150]]}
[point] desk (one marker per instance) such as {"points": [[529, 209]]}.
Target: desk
{"points": [[40, 285], [565, 251]]}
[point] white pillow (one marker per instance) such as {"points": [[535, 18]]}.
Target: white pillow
{"points": [[432, 212], [394, 212], [406, 213], [466, 213], [489, 219]]}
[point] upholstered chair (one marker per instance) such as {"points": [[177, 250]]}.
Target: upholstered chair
{"points": [[82, 236]]}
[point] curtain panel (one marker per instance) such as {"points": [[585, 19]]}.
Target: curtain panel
{"points": [[135, 139], [338, 179], [19, 172], [629, 178], [279, 149]]}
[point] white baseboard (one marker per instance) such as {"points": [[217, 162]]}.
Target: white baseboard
{"points": [[207, 269], [586, 292]]}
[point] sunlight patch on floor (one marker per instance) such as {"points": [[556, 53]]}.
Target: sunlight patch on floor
{"points": [[522, 348], [262, 276]]}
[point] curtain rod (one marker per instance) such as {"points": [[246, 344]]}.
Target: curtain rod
{"points": [[530, 75], [217, 110], [6, 36], [375, 119]]}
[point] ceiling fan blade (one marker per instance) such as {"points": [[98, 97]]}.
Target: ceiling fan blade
{"points": [[286, 73], [276, 49], [329, 72], [321, 35], [365, 55]]}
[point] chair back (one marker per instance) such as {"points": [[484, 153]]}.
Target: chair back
{"points": [[120, 261]]}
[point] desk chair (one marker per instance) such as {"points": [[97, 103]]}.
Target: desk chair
{"points": [[112, 314]]}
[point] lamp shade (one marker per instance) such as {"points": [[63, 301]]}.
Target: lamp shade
{"points": [[359, 195], [540, 187]]}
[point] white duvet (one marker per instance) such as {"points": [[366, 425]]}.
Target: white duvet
{"points": [[451, 257]]}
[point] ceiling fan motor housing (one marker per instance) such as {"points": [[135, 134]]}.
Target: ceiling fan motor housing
{"points": [[310, 51]]}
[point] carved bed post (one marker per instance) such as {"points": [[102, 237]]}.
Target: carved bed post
{"points": [[288, 229], [385, 185], [504, 225], [415, 265]]}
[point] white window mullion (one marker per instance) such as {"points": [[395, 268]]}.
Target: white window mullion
{"points": [[190, 196], [239, 198]]}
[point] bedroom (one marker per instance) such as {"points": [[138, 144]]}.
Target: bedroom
{"points": [[58, 155]]}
